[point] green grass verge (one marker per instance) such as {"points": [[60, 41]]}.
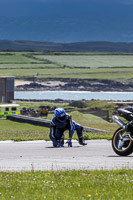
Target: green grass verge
{"points": [[67, 185], [22, 131]]}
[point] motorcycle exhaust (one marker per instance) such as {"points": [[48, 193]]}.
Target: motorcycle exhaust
{"points": [[118, 121]]}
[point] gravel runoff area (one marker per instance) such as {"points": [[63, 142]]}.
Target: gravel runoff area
{"points": [[40, 155]]}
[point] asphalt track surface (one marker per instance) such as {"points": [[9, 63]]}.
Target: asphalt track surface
{"points": [[40, 155]]}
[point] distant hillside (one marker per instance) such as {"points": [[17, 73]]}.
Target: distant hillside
{"points": [[79, 46]]}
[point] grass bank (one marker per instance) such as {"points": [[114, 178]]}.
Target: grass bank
{"points": [[67, 185], [23, 131]]}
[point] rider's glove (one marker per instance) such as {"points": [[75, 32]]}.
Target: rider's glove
{"points": [[69, 142]]}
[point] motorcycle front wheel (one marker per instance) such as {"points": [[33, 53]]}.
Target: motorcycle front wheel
{"points": [[122, 143]]}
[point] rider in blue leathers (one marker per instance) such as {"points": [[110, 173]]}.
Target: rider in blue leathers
{"points": [[60, 122]]}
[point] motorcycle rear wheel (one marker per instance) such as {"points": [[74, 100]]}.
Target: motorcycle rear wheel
{"points": [[122, 143]]}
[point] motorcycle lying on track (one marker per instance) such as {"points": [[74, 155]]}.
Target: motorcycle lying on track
{"points": [[122, 140]]}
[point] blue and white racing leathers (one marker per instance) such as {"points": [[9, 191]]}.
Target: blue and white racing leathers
{"points": [[58, 127]]}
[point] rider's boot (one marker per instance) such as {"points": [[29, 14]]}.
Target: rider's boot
{"points": [[56, 145], [62, 141], [81, 141]]}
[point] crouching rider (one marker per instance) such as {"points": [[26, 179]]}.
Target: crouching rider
{"points": [[61, 122]]}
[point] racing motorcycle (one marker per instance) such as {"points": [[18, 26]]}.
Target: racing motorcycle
{"points": [[122, 140]]}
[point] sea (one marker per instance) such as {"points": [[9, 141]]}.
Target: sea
{"points": [[73, 95]]}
